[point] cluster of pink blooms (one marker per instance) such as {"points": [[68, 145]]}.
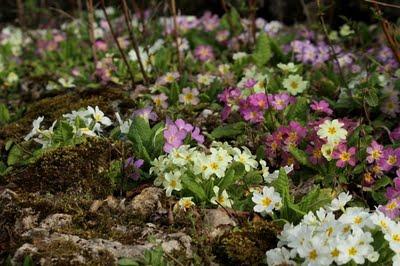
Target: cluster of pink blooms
{"points": [[386, 57], [252, 108], [381, 159], [204, 53], [104, 69], [47, 45], [279, 142], [392, 208], [176, 132], [208, 22]]}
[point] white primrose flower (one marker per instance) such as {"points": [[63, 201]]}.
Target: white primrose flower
{"points": [[379, 219], [99, 116], [393, 237], [186, 203], [356, 217], [36, 128], [339, 202], [280, 256], [86, 131], [239, 56], [289, 67], [246, 158], [332, 131], [294, 84], [205, 79], [221, 198], [215, 167], [67, 83], [172, 182], [124, 126], [396, 259], [270, 177], [267, 201], [12, 78], [315, 251], [356, 247]]}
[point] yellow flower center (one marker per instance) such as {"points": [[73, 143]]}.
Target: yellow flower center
{"points": [[294, 85], [346, 229], [392, 205], [313, 255], [345, 156], [266, 201], [335, 253], [214, 166], [189, 97], [376, 154], [352, 251], [392, 160], [357, 220], [157, 101], [172, 183], [332, 130], [383, 224], [221, 200], [97, 117], [329, 231], [396, 237]]}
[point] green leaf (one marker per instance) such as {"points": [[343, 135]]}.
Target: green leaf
{"points": [[140, 134], [371, 97], [194, 187], [281, 185], [262, 52], [28, 261], [298, 110], [300, 155], [127, 262], [381, 183], [231, 21], [141, 127], [228, 131], [15, 155], [232, 174], [4, 114], [315, 199], [63, 133], [157, 140], [379, 197]]}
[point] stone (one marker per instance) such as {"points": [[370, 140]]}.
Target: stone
{"points": [[147, 202]]}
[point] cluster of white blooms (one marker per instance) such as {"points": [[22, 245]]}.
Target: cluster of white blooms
{"points": [[323, 238], [212, 164], [12, 36], [147, 56], [89, 122], [204, 165]]}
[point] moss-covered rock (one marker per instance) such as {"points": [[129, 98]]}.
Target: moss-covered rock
{"points": [[78, 168], [247, 245], [53, 108]]}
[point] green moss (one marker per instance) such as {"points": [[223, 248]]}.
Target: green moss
{"points": [[247, 245], [63, 252], [80, 167]]}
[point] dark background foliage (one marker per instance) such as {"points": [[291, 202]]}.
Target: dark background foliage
{"points": [[288, 11]]}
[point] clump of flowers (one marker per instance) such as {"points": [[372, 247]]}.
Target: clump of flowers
{"points": [[201, 166], [324, 238], [176, 132], [89, 122]]}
